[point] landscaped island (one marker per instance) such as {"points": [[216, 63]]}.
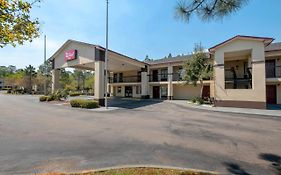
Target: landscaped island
{"points": [[141, 171]]}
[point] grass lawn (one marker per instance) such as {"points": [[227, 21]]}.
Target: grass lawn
{"points": [[141, 171]]}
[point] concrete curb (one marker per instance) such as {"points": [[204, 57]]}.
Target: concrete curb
{"points": [[269, 113], [146, 166]]}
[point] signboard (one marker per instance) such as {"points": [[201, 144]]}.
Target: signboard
{"points": [[70, 55]]}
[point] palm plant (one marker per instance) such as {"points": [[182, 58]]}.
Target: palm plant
{"points": [[30, 72]]}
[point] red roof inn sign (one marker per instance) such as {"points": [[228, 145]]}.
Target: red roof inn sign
{"points": [[70, 55]]}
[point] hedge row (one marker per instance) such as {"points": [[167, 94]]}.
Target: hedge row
{"points": [[74, 94], [46, 98], [82, 103]]}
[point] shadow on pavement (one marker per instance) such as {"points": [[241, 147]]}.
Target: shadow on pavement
{"points": [[274, 107], [235, 169], [128, 103], [275, 161]]}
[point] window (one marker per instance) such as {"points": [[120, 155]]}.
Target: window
{"points": [[120, 77], [114, 78], [181, 73], [164, 74], [138, 89], [164, 91]]}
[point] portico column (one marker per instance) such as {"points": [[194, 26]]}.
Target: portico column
{"points": [[55, 79], [170, 82], [144, 84], [99, 76], [111, 91]]}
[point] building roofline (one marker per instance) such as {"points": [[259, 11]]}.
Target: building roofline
{"points": [[92, 45], [266, 40]]}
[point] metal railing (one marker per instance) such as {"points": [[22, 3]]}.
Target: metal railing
{"points": [[158, 77], [235, 82], [126, 79], [164, 77], [177, 77], [273, 72]]}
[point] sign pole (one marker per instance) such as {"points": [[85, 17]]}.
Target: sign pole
{"points": [[106, 58]]}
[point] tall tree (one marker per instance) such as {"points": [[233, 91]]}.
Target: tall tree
{"points": [[30, 73], [45, 68], [16, 25], [80, 76], [147, 58], [208, 9], [198, 68]]}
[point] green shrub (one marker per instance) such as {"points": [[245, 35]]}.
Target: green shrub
{"points": [[193, 100], [89, 104], [9, 91], [80, 103], [43, 98], [75, 94], [199, 100], [60, 94], [76, 103], [50, 98]]}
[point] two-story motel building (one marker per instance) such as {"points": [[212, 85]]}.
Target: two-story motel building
{"points": [[247, 73]]}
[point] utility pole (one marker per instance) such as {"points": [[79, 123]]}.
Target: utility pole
{"points": [[106, 58], [45, 67]]}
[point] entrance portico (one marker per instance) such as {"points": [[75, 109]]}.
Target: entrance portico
{"points": [[84, 56]]}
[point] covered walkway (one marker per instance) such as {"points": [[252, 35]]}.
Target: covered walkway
{"points": [[84, 56]]}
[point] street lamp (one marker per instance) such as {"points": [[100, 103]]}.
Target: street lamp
{"points": [[45, 67], [106, 57]]}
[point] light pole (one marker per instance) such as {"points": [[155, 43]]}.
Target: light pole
{"points": [[45, 67], [106, 57]]}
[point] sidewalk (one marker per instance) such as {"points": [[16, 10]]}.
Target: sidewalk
{"points": [[264, 112]]}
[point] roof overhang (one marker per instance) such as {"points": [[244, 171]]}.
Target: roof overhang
{"points": [[116, 61], [265, 40]]}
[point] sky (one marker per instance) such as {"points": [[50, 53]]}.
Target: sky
{"points": [[138, 28]]}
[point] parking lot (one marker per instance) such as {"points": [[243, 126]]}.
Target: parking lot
{"points": [[42, 137]]}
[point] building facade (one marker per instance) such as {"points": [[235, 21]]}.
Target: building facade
{"points": [[247, 73]]}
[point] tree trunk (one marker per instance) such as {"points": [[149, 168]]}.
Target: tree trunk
{"points": [[78, 83], [201, 90], [83, 83]]}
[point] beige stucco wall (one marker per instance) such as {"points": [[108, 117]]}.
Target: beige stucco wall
{"points": [[122, 94], [176, 69], [257, 93], [129, 73], [183, 92], [212, 89], [85, 54]]}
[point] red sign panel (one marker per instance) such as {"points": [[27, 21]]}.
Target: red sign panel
{"points": [[70, 55]]}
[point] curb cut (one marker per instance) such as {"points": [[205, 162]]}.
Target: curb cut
{"points": [[147, 166]]}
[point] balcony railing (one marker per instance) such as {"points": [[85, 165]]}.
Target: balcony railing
{"points": [[177, 77], [273, 72], [235, 82], [158, 77], [164, 77], [127, 79]]}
